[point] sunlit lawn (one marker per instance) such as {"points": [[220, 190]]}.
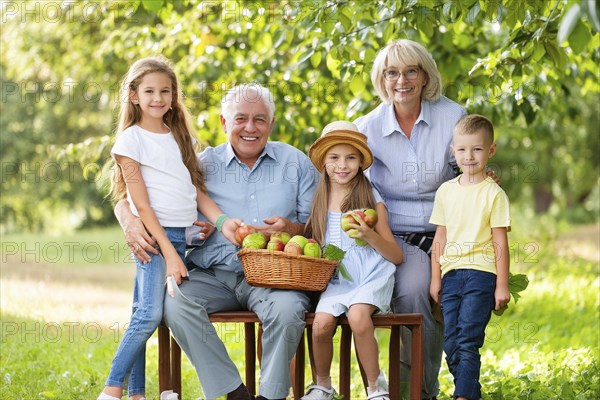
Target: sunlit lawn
{"points": [[64, 302]]}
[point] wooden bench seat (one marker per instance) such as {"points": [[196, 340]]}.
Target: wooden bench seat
{"points": [[169, 353]]}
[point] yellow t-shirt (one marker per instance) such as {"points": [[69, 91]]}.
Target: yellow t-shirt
{"points": [[469, 213]]}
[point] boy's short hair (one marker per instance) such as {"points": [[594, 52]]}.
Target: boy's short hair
{"points": [[474, 123]]}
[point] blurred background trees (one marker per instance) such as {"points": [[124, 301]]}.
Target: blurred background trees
{"points": [[531, 66]]}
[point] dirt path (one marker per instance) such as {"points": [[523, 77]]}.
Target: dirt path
{"points": [[55, 294]]}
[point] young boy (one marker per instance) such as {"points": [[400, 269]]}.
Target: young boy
{"points": [[470, 259]]}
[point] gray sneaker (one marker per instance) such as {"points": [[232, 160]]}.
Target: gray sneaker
{"points": [[317, 392]]}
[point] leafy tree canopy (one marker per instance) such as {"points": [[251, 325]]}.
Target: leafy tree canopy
{"points": [[530, 65]]}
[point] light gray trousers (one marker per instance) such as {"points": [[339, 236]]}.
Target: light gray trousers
{"points": [[411, 295], [213, 290]]}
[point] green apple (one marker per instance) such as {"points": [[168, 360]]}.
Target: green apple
{"points": [[254, 240], [242, 231], [347, 220], [283, 236], [312, 249], [299, 240], [352, 232]]}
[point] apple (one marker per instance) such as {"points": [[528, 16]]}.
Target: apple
{"points": [[352, 232], [242, 231], [312, 249], [293, 249], [254, 240], [283, 236], [275, 244], [299, 240], [347, 220], [370, 217], [360, 213]]}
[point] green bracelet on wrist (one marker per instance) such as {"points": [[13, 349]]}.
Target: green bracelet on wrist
{"points": [[220, 221]]}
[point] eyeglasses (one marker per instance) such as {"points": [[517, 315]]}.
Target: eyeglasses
{"points": [[410, 73]]}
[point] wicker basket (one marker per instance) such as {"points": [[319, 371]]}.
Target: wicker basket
{"points": [[275, 269]]}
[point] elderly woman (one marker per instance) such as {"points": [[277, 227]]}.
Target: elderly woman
{"points": [[410, 135]]}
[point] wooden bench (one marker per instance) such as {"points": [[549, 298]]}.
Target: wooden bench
{"points": [[169, 353]]}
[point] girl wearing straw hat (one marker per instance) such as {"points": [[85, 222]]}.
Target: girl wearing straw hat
{"points": [[341, 154]]}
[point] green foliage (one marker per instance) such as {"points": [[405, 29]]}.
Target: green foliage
{"points": [[61, 66], [546, 346]]}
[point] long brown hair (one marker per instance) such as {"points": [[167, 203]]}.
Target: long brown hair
{"points": [[360, 195], [177, 119]]}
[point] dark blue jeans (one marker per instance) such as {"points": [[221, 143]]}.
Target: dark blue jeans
{"points": [[467, 304]]}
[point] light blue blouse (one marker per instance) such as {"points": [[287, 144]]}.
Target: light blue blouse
{"points": [[407, 172]]}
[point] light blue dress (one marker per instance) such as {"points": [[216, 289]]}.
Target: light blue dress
{"points": [[372, 275]]}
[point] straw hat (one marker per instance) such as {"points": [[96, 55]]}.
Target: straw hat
{"points": [[339, 132]]}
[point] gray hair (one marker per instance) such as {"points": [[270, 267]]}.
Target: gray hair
{"points": [[250, 92]]}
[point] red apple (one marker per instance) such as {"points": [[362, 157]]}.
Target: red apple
{"points": [[275, 244], [242, 231], [370, 217]]}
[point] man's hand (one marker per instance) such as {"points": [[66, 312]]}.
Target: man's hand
{"points": [[139, 240], [280, 224]]}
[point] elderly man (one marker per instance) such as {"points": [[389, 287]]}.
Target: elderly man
{"points": [[266, 184]]}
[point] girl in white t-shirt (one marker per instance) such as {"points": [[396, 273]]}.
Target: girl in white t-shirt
{"points": [[157, 170]]}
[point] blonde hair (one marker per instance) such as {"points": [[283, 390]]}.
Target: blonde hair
{"points": [[407, 52], [474, 123], [360, 195], [177, 119]]}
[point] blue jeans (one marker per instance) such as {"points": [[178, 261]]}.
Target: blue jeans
{"points": [[147, 312], [467, 304]]}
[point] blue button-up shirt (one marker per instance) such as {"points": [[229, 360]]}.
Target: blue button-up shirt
{"points": [[281, 183], [407, 172]]}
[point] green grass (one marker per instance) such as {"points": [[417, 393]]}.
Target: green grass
{"points": [[62, 318]]}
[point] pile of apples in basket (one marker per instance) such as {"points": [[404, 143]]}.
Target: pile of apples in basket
{"points": [[298, 245]]}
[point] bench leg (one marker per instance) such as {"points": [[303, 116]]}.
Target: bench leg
{"points": [[164, 359], [250, 353], [416, 368], [394, 357], [176, 367], [345, 348], [297, 369]]}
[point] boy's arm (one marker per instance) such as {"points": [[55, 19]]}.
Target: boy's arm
{"points": [[500, 240], [437, 249]]}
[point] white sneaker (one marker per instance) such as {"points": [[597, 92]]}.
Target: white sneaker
{"points": [[317, 392], [379, 395], [104, 396], [169, 395]]}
